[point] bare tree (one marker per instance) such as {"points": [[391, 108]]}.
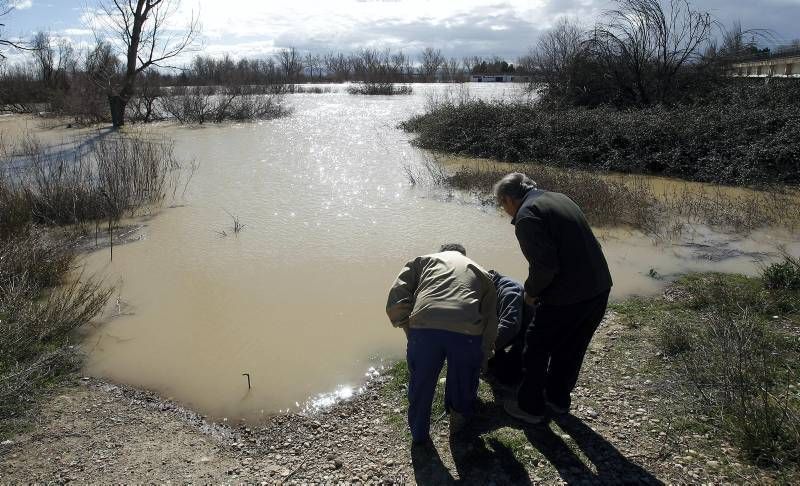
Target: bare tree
{"points": [[67, 58], [6, 7], [470, 63], [644, 45], [738, 43], [102, 65], [526, 63], [312, 62], [44, 56], [400, 65], [452, 70], [140, 32], [290, 62], [430, 62], [556, 54], [337, 65]]}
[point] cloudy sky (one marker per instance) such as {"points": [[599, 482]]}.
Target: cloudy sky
{"points": [[256, 28]]}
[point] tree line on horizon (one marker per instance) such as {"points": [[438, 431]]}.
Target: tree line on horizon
{"points": [[570, 60], [65, 80]]}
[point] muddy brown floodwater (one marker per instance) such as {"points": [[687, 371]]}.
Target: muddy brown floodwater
{"points": [[297, 298]]}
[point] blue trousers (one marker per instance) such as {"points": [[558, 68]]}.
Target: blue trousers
{"points": [[426, 354]]}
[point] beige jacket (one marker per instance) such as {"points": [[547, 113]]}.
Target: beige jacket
{"points": [[445, 291]]}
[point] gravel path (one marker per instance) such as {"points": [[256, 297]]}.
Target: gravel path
{"points": [[621, 431]]}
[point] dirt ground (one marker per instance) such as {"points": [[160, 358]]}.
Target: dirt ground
{"points": [[619, 432]]}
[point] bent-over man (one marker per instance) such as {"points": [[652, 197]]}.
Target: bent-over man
{"points": [[446, 304], [513, 318]]}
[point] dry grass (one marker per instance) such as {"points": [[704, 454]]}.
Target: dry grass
{"points": [[40, 307], [632, 200], [101, 178], [42, 301], [605, 202], [733, 361]]}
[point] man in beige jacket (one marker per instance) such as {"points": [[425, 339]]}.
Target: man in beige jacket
{"points": [[446, 303]]}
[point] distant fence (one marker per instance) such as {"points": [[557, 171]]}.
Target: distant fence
{"points": [[783, 64]]}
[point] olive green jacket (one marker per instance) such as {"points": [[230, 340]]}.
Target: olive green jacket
{"points": [[446, 291]]}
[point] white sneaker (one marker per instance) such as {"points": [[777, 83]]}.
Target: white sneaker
{"points": [[512, 408]]}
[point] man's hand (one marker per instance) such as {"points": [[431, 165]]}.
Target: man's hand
{"points": [[530, 300]]}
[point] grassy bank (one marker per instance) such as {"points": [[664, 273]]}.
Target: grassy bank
{"points": [[627, 200], [745, 134], [47, 197], [729, 347], [700, 382]]}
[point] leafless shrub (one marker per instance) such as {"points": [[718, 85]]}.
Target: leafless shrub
{"points": [[745, 210], [38, 317], [736, 362], [297, 89], [641, 52], [202, 104], [98, 179], [378, 88], [143, 106]]}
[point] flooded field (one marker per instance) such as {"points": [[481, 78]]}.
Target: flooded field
{"points": [[296, 299]]}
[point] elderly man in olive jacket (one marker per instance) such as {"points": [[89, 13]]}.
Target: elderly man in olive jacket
{"points": [[446, 303], [569, 281]]}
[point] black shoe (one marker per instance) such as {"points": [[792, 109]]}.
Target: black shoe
{"points": [[557, 407], [512, 408]]}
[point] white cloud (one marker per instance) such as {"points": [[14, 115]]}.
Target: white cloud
{"points": [[353, 24], [21, 4], [77, 32]]}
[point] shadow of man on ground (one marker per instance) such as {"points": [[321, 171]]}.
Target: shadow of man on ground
{"points": [[612, 466], [428, 466], [478, 464], [474, 462]]}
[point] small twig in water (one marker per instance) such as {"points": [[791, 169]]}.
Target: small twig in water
{"points": [[238, 226]]}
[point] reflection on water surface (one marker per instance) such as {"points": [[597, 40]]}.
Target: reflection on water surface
{"points": [[297, 298]]}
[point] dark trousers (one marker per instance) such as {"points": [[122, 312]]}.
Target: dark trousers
{"points": [[555, 345], [506, 365], [426, 354]]}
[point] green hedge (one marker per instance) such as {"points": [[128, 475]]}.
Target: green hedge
{"points": [[743, 135]]}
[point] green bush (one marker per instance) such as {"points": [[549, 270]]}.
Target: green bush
{"points": [[735, 362], [783, 275], [744, 135]]}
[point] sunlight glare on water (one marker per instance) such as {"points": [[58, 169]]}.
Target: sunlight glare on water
{"points": [[297, 298]]}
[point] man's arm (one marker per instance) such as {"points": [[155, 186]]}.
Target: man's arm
{"points": [[401, 296], [509, 313], [540, 250], [489, 314]]}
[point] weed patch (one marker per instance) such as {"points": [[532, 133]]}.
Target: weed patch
{"points": [[732, 344]]}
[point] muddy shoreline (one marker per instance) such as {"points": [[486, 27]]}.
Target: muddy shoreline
{"points": [[95, 431]]}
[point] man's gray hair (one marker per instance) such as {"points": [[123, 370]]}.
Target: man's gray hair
{"points": [[454, 247], [514, 185]]}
